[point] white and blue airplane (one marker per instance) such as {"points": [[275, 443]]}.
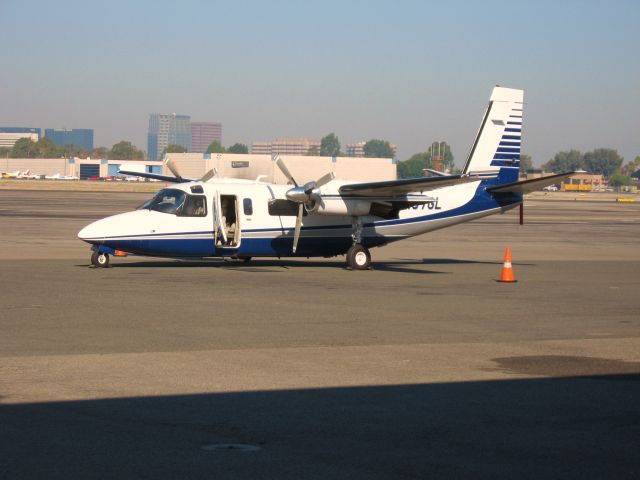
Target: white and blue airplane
{"points": [[242, 219]]}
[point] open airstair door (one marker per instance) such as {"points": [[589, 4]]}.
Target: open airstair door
{"points": [[227, 220], [219, 234]]}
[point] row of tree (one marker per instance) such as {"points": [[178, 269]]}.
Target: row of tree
{"points": [[125, 150], [45, 148], [605, 161], [214, 147], [330, 147]]}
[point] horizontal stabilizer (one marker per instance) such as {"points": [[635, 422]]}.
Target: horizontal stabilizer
{"points": [[527, 186], [156, 176], [395, 188]]}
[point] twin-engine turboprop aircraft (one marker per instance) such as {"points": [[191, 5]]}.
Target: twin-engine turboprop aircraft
{"points": [[222, 217]]}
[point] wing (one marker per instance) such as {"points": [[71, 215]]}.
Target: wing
{"points": [[157, 176], [527, 186], [392, 189]]}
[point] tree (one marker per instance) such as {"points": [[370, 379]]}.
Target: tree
{"points": [[619, 180], [378, 149], [330, 146], [603, 160], [215, 147], [313, 151], [24, 148], [525, 163], [100, 152], [238, 148], [631, 167], [125, 150], [414, 166], [174, 148], [565, 162], [442, 150]]}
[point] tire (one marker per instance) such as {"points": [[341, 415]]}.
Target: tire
{"points": [[358, 258], [100, 260]]}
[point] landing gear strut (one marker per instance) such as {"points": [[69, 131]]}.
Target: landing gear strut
{"points": [[358, 257], [100, 260]]}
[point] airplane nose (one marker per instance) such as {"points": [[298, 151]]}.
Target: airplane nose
{"points": [[91, 232]]}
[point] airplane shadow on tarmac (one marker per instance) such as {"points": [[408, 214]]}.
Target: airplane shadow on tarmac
{"points": [[268, 265], [571, 427]]}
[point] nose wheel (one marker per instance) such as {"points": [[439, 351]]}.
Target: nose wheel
{"points": [[358, 257], [100, 260]]}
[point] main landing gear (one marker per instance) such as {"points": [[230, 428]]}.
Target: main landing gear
{"points": [[100, 260], [358, 256]]}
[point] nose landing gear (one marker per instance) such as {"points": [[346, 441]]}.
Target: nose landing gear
{"points": [[99, 260]]}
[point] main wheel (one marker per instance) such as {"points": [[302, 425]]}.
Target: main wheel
{"points": [[358, 257], [100, 260]]}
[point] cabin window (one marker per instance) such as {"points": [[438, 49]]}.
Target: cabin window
{"points": [[195, 206], [247, 204], [168, 200]]}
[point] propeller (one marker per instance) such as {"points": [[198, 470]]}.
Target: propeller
{"points": [[208, 176], [174, 169], [283, 168], [172, 166], [303, 195]]}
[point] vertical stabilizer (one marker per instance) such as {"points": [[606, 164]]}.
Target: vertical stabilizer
{"points": [[496, 149]]}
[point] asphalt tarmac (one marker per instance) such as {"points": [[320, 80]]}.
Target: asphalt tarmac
{"points": [[424, 367]]}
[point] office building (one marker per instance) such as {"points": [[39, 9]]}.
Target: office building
{"points": [[10, 135], [78, 137], [286, 146], [165, 130], [203, 134]]}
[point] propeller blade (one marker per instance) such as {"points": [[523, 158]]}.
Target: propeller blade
{"points": [[172, 166], [325, 179], [296, 234], [209, 175], [283, 168]]}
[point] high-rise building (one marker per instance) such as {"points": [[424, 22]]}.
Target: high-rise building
{"points": [[78, 137], [165, 130], [286, 146], [203, 134], [10, 135]]}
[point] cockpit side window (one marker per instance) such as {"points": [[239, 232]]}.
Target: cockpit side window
{"points": [[195, 206], [168, 200]]}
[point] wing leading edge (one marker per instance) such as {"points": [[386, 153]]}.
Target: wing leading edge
{"points": [[396, 188]]}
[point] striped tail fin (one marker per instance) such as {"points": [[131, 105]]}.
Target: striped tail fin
{"points": [[496, 149]]}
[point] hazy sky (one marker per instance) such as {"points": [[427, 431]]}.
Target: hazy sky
{"points": [[408, 72]]}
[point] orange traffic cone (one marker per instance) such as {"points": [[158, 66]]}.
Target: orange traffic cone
{"points": [[507, 269]]}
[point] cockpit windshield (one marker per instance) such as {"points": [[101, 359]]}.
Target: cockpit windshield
{"points": [[168, 200], [177, 202]]}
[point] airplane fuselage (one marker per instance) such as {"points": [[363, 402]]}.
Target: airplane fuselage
{"points": [[265, 223]]}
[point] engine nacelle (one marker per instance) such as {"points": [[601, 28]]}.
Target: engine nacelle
{"points": [[338, 206]]}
